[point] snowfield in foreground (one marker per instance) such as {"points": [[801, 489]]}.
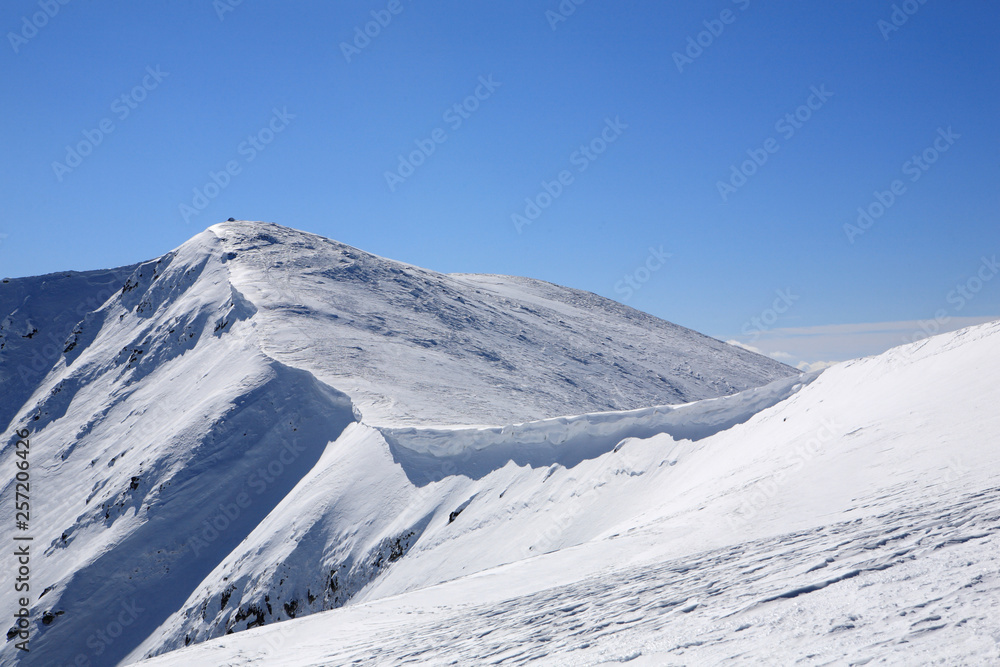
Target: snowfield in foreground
{"points": [[270, 448]]}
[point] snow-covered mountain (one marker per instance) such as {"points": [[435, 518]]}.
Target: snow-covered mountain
{"points": [[852, 519], [411, 346], [266, 447], [264, 423]]}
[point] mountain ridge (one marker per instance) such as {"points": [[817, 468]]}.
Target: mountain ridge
{"points": [[219, 374], [455, 322], [784, 538]]}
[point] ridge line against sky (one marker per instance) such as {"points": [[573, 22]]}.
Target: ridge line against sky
{"points": [[742, 169]]}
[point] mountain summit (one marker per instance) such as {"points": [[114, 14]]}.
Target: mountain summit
{"points": [[414, 346]]}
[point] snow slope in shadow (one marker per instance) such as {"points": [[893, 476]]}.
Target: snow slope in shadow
{"points": [[162, 418]]}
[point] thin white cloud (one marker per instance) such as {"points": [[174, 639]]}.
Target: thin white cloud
{"points": [[813, 348], [903, 327], [804, 366], [744, 346]]}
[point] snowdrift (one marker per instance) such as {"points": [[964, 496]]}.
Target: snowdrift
{"points": [[412, 347], [378, 493], [852, 521]]}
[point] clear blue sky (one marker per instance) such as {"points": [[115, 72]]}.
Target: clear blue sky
{"points": [[680, 131]]}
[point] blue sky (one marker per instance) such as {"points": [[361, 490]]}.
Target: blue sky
{"points": [[698, 161]]}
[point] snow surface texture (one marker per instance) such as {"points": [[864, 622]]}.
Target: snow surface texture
{"points": [[853, 521], [262, 386], [415, 347]]}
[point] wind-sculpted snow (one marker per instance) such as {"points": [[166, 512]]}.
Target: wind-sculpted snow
{"points": [[158, 411], [852, 519], [174, 404], [915, 586], [370, 499], [427, 454]]}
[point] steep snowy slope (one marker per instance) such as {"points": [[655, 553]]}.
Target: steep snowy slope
{"points": [[159, 403], [853, 519], [178, 411], [37, 318], [408, 508]]}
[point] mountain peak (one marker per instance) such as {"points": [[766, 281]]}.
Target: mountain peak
{"points": [[410, 345], [225, 368], [249, 226], [264, 423]]}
